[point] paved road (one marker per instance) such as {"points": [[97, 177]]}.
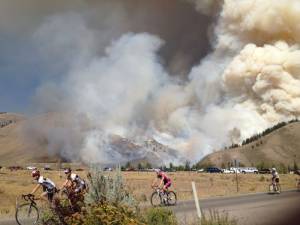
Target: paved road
{"points": [[253, 209]]}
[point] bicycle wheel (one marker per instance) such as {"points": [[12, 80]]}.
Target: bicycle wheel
{"points": [[27, 214], [271, 189], [278, 188], [155, 199], [171, 198]]}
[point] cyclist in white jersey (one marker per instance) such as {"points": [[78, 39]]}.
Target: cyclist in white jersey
{"points": [[73, 180], [47, 185]]}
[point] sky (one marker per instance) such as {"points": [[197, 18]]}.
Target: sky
{"points": [[25, 64]]}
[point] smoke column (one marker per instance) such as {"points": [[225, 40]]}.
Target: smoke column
{"points": [[120, 83]]}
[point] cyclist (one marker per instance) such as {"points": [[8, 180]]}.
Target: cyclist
{"points": [[74, 181], [164, 180], [275, 178], [48, 186]]}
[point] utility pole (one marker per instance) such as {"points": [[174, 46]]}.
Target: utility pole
{"points": [[236, 164]]}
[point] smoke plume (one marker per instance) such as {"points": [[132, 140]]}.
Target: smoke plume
{"points": [[136, 85]]}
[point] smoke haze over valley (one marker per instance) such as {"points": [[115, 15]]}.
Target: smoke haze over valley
{"points": [[191, 75]]}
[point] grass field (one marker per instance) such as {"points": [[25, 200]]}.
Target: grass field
{"points": [[15, 183]]}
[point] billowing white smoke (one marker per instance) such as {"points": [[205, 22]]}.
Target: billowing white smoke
{"points": [[267, 79], [249, 82]]}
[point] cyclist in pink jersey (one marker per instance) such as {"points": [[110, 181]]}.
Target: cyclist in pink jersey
{"points": [[165, 181]]}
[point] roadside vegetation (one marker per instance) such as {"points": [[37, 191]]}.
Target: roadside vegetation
{"points": [[109, 202], [15, 183]]}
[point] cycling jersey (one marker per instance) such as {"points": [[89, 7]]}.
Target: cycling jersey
{"points": [[164, 177], [48, 185], [80, 183], [275, 174]]}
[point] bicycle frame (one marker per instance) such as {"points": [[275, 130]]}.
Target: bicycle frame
{"points": [[28, 198]]}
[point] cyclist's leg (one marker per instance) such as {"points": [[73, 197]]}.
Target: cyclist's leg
{"points": [[277, 184], [44, 196], [166, 186]]}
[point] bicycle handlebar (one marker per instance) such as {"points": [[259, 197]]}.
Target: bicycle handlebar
{"points": [[28, 197]]}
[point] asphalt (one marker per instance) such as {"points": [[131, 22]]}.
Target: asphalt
{"points": [[252, 209]]}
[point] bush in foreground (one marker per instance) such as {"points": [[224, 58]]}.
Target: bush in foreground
{"points": [[160, 216], [105, 214], [215, 218]]}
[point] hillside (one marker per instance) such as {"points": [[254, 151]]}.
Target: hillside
{"points": [[14, 148], [280, 146], [27, 140]]}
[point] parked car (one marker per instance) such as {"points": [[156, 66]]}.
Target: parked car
{"points": [[264, 171], [31, 168], [47, 167], [235, 169], [200, 171], [213, 170], [248, 170], [228, 171]]}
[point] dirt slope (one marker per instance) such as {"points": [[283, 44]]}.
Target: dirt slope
{"points": [[280, 146], [15, 149]]}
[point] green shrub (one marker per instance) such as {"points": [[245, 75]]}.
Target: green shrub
{"points": [[160, 216], [104, 188], [105, 214]]}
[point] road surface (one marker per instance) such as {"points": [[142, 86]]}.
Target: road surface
{"points": [[252, 209]]}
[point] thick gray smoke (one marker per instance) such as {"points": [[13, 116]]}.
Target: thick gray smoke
{"points": [[136, 85]]}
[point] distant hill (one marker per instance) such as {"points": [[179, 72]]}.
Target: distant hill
{"points": [[281, 146], [24, 140], [14, 149]]}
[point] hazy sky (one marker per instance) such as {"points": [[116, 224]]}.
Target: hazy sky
{"points": [[25, 62]]}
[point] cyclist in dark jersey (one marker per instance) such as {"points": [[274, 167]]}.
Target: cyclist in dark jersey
{"points": [[47, 185], [165, 181]]}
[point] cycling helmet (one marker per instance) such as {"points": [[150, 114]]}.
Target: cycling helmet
{"points": [[67, 170], [35, 173], [157, 170], [274, 169]]}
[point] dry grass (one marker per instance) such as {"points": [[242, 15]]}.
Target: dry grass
{"points": [[13, 184]]}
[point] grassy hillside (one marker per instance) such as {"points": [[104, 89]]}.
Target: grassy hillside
{"points": [[282, 146], [15, 149]]}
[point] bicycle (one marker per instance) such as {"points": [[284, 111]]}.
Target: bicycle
{"points": [[75, 199], [27, 213], [160, 197], [274, 188]]}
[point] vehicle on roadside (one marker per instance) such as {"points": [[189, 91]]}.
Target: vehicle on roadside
{"points": [[228, 171], [200, 171], [245, 170], [265, 171], [235, 169], [31, 168], [213, 170], [47, 167]]}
